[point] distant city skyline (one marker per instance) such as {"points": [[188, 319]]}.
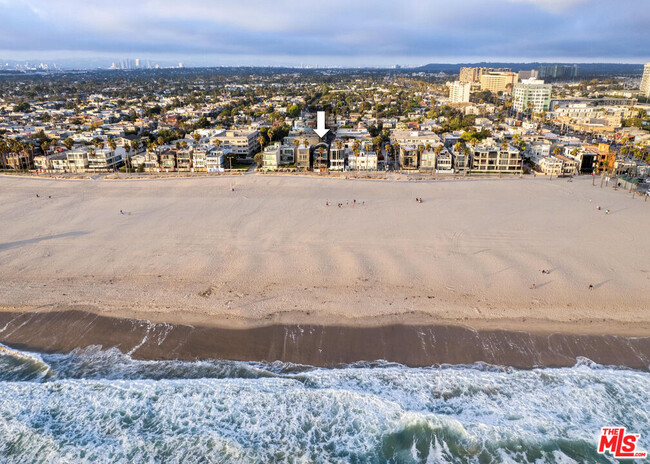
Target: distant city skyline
{"points": [[376, 33]]}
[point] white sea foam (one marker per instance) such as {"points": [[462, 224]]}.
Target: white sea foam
{"points": [[102, 406]]}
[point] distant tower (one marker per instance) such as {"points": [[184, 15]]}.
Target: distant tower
{"points": [[180, 64], [137, 62], [645, 82]]}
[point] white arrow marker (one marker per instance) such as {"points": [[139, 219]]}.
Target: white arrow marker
{"points": [[320, 124]]}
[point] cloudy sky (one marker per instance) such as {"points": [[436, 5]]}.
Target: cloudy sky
{"points": [[333, 32]]}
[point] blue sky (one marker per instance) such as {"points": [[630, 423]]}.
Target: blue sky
{"points": [[333, 32]]}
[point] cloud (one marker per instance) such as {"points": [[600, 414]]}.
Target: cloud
{"points": [[389, 30]]}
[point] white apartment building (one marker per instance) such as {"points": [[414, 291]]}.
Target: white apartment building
{"points": [[531, 95], [417, 138], [366, 161], [77, 159], [444, 162], [105, 159], [243, 143], [271, 157], [459, 92], [539, 150], [215, 159]]}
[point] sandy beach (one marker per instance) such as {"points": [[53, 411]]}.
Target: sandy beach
{"points": [[191, 251]]}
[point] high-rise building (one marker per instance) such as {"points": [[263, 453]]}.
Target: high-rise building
{"points": [[498, 81], [474, 74], [531, 95], [558, 71], [137, 62], [459, 92], [645, 82], [531, 74]]}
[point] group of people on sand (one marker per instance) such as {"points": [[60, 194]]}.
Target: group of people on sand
{"points": [[599, 208], [347, 203], [38, 196], [418, 199], [547, 271]]}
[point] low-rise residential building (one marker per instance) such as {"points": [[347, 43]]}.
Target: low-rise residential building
{"points": [[551, 165], [215, 159], [105, 159], [77, 160], [365, 161], [303, 157], [168, 160], [151, 162], [493, 158], [184, 160], [444, 162], [243, 143], [271, 157], [569, 166], [409, 157], [461, 159], [428, 160]]}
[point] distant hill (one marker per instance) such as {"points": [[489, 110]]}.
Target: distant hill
{"points": [[584, 69]]}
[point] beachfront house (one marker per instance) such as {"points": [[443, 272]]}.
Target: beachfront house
{"points": [[303, 158], [77, 160], [184, 160], [492, 158], [215, 159], [168, 160], [105, 159], [409, 157], [338, 155], [271, 157], [444, 163]]}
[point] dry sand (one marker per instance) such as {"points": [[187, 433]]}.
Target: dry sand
{"points": [[191, 251]]}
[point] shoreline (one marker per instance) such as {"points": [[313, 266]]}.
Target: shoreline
{"points": [[318, 345]]}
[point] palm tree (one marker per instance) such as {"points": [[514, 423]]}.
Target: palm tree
{"points": [[296, 143], [127, 162], [196, 137], [45, 146], [111, 144], [68, 143]]}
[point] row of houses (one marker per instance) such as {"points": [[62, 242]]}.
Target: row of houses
{"points": [[342, 155], [198, 158]]}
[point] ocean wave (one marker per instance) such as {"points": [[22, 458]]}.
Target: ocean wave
{"points": [[98, 405]]}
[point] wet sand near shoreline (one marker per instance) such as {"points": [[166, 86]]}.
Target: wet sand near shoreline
{"points": [[317, 345]]}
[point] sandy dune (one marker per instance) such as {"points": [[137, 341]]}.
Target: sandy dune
{"points": [[193, 251]]}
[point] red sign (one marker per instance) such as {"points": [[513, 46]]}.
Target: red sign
{"points": [[618, 443]]}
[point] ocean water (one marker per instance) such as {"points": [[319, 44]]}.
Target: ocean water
{"points": [[96, 405]]}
